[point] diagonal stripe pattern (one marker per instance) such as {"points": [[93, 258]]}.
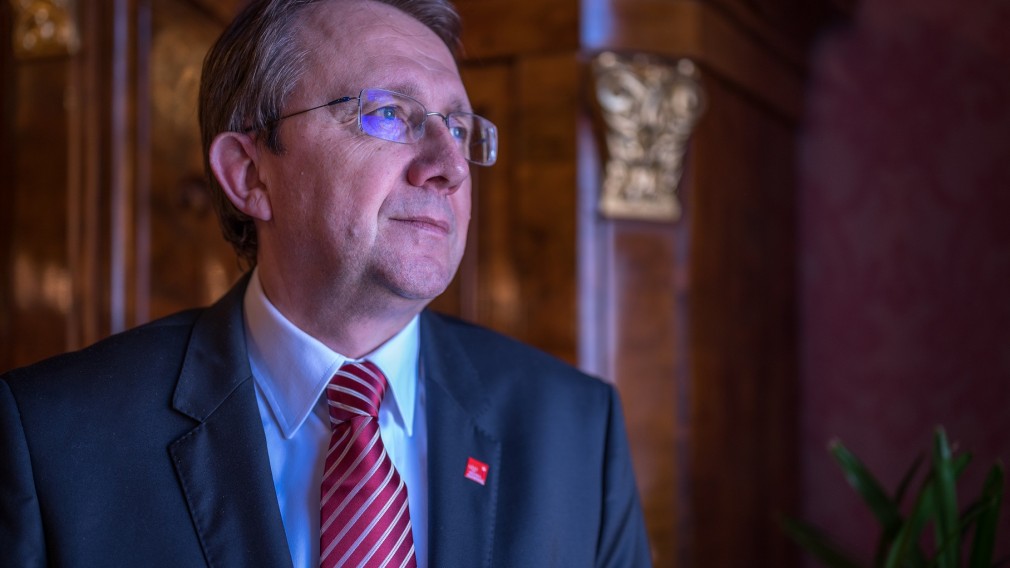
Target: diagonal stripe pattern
{"points": [[364, 521]]}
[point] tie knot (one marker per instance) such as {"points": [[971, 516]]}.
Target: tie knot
{"points": [[356, 390]]}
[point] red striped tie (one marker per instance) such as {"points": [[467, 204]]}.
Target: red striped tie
{"points": [[363, 513]]}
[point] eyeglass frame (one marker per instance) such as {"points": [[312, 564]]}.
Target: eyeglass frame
{"points": [[493, 153]]}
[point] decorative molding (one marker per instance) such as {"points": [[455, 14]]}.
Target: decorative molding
{"points": [[649, 107], [44, 28]]}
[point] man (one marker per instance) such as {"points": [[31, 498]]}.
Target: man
{"points": [[338, 134]]}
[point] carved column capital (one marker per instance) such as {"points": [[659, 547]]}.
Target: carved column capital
{"points": [[649, 107]]}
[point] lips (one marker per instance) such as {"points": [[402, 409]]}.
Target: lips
{"points": [[425, 223]]}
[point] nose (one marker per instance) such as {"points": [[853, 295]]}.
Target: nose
{"points": [[439, 163]]}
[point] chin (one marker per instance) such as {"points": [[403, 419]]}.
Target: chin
{"points": [[424, 293], [420, 284], [415, 277]]}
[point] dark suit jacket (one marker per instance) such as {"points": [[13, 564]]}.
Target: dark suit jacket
{"points": [[147, 449]]}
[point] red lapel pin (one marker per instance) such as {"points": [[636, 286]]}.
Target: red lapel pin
{"points": [[476, 471]]}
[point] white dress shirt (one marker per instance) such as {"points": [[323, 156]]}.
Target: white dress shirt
{"points": [[291, 369]]}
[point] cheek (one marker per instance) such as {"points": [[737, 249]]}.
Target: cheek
{"points": [[461, 211], [461, 205]]}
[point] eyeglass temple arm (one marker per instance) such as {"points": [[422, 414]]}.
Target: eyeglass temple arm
{"points": [[273, 122]]}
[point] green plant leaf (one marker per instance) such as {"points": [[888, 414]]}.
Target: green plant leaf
{"points": [[985, 530], [904, 551], [958, 463], [868, 487], [906, 480], [817, 544], [948, 534], [888, 535]]}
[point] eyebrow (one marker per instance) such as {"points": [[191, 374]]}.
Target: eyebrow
{"points": [[411, 90]]}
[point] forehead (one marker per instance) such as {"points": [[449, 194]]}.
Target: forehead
{"points": [[353, 44]]}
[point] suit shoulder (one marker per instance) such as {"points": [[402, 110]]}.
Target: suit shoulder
{"points": [[478, 339], [147, 345], [493, 353]]}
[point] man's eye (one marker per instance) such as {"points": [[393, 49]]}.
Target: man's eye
{"points": [[388, 112], [459, 132], [388, 122]]}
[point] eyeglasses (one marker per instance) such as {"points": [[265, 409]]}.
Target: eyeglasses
{"points": [[395, 117]]}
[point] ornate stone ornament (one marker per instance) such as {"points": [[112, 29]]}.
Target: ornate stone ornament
{"points": [[43, 28], [649, 108]]}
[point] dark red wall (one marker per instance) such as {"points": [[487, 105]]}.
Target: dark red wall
{"points": [[905, 248]]}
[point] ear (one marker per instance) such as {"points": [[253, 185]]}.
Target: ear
{"points": [[234, 159]]}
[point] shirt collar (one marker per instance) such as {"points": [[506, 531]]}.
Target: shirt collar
{"points": [[292, 368]]}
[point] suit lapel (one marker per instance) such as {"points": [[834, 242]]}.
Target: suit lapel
{"points": [[222, 463], [462, 511]]}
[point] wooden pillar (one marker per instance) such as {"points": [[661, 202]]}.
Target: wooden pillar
{"points": [[694, 318]]}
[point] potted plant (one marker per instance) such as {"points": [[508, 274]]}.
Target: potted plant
{"points": [[935, 503]]}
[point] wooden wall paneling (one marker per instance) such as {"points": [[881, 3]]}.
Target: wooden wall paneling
{"points": [[485, 288], [795, 23], [38, 264], [75, 138], [85, 202], [37, 269], [526, 217], [544, 230], [106, 189], [742, 332], [190, 264], [511, 28], [79, 262], [495, 292], [145, 154], [121, 144], [7, 193], [647, 356], [128, 152], [729, 42], [221, 11]]}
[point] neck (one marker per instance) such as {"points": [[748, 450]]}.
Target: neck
{"points": [[343, 322]]}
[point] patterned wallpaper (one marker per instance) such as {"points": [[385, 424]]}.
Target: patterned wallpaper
{"points": [[905, 248]]}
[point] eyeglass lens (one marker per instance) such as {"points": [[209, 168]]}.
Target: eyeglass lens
{"points": [[399, 118]]}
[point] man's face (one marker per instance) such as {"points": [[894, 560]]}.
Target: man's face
{"points": [[370, 220]]}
